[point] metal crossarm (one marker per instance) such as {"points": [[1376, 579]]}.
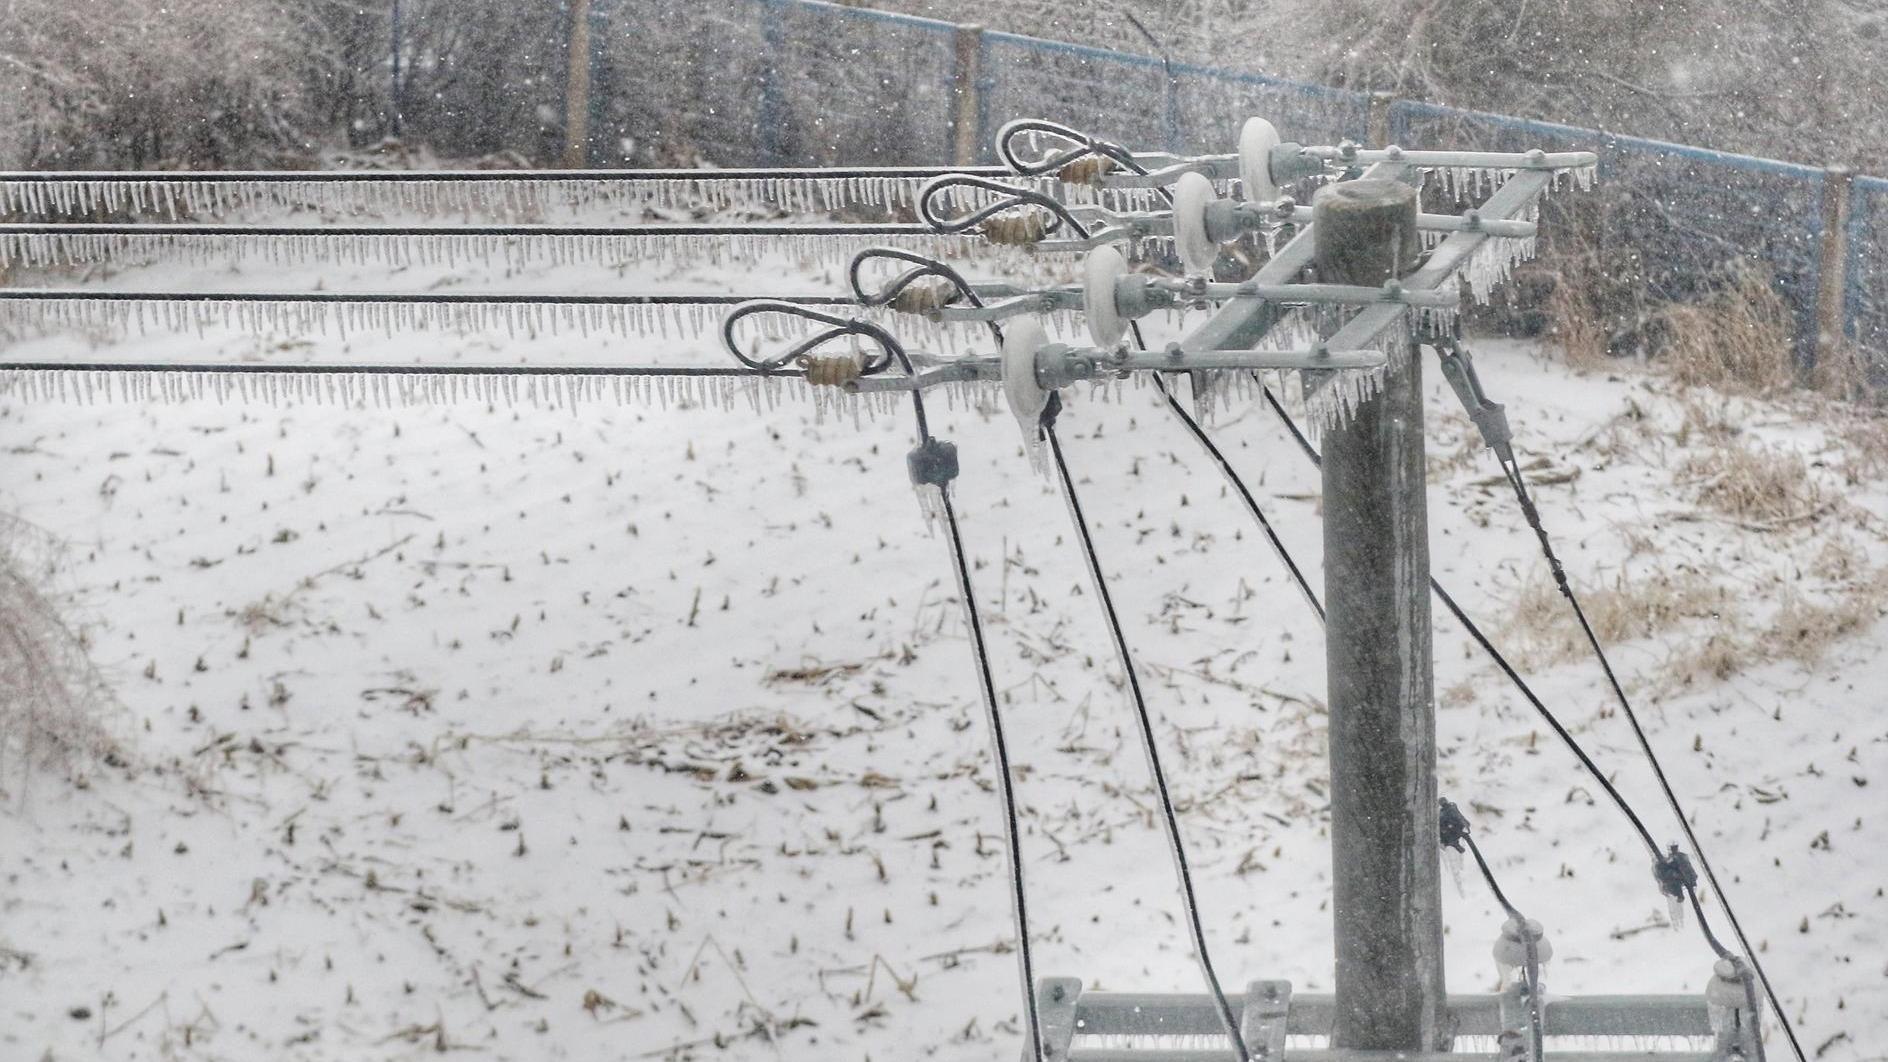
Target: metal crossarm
{"points": [[1169, 1027]]}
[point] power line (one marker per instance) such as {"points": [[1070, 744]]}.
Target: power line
{"points": [[1169, 818], [449, 298]]}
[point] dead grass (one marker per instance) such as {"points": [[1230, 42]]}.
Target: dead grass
{"points": [[53, 703], [1543, 629], [1739, 339], [1754, 486]]}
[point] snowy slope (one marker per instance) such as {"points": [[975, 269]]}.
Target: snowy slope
{"points": [[641, 732]]}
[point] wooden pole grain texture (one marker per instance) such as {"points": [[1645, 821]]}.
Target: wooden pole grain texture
{"points": [[1385, 854]]}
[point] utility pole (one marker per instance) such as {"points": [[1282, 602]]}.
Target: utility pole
{"points": [[1384, 832], [393, 78], [577, 88]]}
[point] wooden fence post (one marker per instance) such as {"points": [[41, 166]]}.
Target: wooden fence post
{"points": [[967, 95], [1832, 274], [1385, 834], [1378, 123], [577, 88]]}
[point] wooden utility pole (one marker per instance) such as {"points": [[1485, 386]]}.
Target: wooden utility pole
{"points": [[577, 89], [1384, 830]]}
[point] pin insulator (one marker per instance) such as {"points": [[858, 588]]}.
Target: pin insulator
{"points": [[1016, 229], [1088, 170], [925, 295], [835, 371]]}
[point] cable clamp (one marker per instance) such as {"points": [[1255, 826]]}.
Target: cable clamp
{"points": [[1490, 418]]}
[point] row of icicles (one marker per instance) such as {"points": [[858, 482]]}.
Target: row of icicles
{"points": [[182, 197]]}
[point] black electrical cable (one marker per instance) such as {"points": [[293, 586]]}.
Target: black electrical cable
{"points": [[1170, 819], [173, 229], [1511, 468], [1245, 494], [479, 176], [892, 350], [1005, 781], [1456, 833], [414, 297]]}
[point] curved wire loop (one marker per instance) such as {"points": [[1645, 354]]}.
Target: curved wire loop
{"points": [[1085, 146], [1009, 197], [925, 267], [889, 349]]}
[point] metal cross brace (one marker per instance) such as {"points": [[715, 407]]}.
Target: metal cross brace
{"points": [[1269, 1012]]}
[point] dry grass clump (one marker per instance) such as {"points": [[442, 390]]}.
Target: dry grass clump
{"points": [[1544, 630], [1738, 339], [53, 702], [1753, 486]]}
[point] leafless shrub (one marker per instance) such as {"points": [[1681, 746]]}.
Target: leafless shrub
{"points": [[53, 703]]}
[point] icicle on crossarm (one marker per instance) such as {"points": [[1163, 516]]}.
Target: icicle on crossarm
{"points": [[397, 386], [499, 193], [341, 313], [33, 245]]}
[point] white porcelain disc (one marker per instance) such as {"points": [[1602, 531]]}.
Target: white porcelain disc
{"points": [[1256, 141], [1191, 193], [1102, 268]]}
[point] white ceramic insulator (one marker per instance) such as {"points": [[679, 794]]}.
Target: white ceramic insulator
{"points": [[1256, 140], [1103, 268], [1022, 339], [1191, 194]]}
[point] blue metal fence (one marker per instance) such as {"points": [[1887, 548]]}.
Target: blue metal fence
{"points": [[797, 82]]}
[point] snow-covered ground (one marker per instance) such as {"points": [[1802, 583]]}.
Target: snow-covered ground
{"points": [[643, 732]]}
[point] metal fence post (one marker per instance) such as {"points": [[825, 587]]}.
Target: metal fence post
{"points": [[1832, 278], [1386, 874], [966, 94]]}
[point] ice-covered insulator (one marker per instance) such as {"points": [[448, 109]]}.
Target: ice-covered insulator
{"points": [[1256, 140], [1018, 228], [1725, 995], [1511, 948], [834, 370], [925, 295], [1191, 194], [1027, 397], [1101, 272], [1089, 170]]}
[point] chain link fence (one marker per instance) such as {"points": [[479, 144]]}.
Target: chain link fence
{"points": [[806, 82]]}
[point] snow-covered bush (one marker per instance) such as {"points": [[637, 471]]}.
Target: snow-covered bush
{"points": [[54, 705]]}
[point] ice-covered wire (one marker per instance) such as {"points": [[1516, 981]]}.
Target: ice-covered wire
{"points": [[836, 327], [1170, 819], [1457, 833], [420, 298], [1665, 864], [1083, 147], [1008, 198], [232, 231], [1006, 784]]}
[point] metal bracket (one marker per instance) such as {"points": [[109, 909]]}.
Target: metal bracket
{"points": [[1491, 418], [1056, 999], [1262, 1025]]}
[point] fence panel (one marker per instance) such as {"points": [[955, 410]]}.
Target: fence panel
{"points": [[1216, 103], [1108, 94], [1866, 301], [1688, 213], [853, 86]]}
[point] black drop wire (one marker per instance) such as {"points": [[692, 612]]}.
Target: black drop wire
{"points": [[999, 742], [1457, 833], [1170, 819], [1664, 864]]}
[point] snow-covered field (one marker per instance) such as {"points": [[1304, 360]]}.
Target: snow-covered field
{"points": [[635, 732]]}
